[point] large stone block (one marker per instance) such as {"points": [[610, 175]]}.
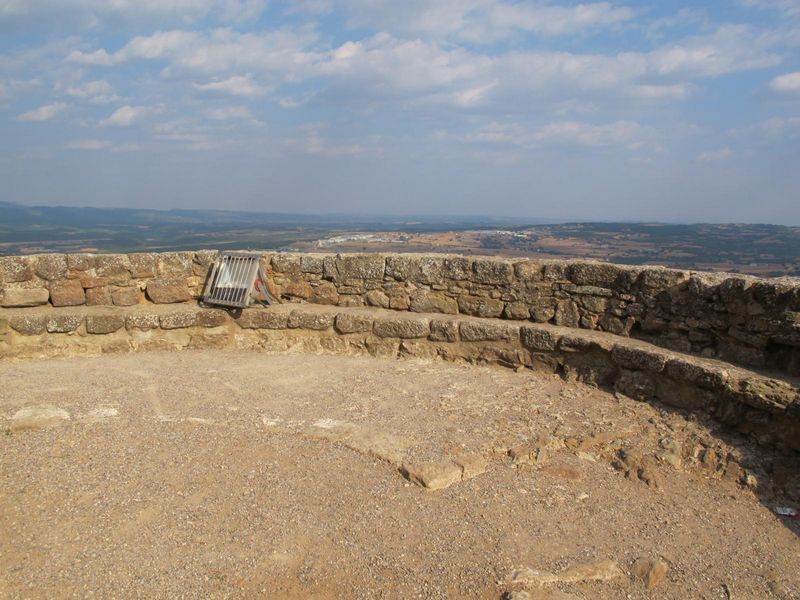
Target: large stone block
{"points": [[28, 324], [211, 317], [168, 291], [479, 306], [644, 359], [80, 262], [102, 324], [401, 328], [528, 271], [487, 332], [654, 278], [538, 339], [68, 292], [178, 320], [325, 293], [15, 269], [300, 319], [106, 265], [444, 331], [99, 296], [425, 301], [141, 321], [457, 268], [126, 296], [426, 270], [63, 323], [350, 323], [51, 266], [567, 314], [175, 265], [492, 272], [21, 297], [311, 264], [601, 275], [260, 318], [358, 267], [142, 265]]}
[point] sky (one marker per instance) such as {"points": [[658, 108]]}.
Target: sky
{"points": [[664, 110]]}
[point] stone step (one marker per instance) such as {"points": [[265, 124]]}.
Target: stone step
{"points": [[763, 404]]}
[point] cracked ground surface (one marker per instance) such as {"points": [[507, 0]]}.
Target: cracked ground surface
{"points": [[241, 474]]}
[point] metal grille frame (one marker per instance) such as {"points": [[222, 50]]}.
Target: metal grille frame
{"points": [[234, 280]]}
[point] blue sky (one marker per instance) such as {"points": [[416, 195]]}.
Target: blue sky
{"points": [[670, 111]]}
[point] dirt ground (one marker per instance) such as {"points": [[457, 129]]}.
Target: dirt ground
{"points": [[208, 474]]}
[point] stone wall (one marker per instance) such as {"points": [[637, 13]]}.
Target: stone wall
{"points": [[744, 320], [768, 409]]}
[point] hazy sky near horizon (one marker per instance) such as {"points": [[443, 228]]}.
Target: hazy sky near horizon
{"points": [[672, 111]]}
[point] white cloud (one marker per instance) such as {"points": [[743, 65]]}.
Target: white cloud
{"points": [[93, 12], [619, 133], [232, 113], [776, 127], [788, 7], [483, 21], [96, 92], [716, 155], [236, 85], [128, 115], [92, 144], [43, 113], [790, 82], [314, 144]]}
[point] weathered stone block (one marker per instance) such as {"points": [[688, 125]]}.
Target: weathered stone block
{"points": [[174, 265], [517, 311], [286, 263], [211, 317], [168, 291], [457, 269], [359, 267], [311, 264], [479, 306], [538, 339], [178, 320], [567, 314], [639, 358], [68, 292], [594, 274], [299, 319], [141, 321], [426, 270], [102, 324], [325, 293], [15, 269], [298, 289], [258, 318], [377, 298], [51, 266], [487, 332], [432, 302], [443, 331], [99, 296], [127, 296], [106, 265], [401, 328], [653, 278], [28, 324], [80, 262], [528, 271], [22, 297], [492, 272], [63, 323], [350, 323], [142, 265]]}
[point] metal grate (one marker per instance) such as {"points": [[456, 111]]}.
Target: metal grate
{"points": [[236, 280]]}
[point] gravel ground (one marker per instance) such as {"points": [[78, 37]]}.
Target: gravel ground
{"points": [[207, 474]]}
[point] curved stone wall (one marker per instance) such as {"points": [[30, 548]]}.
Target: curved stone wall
{"points": [[767, 408], [743, 320]]}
